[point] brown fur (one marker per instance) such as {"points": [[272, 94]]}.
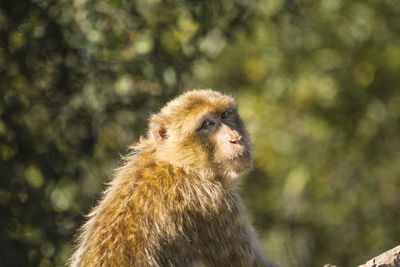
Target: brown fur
{"points": [[173, 203]]}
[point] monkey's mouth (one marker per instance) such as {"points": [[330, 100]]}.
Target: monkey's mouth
{"points": [[235, 164], [244, 155]]}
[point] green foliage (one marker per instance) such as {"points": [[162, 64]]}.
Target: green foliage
{"points": [[317, 84]]}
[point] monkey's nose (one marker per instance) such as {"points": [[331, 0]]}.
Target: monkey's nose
{"points": [[235, 139]]}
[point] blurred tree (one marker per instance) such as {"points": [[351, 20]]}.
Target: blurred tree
{"points": [[78, 80], [317, 84]]}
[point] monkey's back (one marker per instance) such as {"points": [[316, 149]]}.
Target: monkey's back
{"points": [[154, 214]]}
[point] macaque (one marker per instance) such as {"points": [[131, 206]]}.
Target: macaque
{"points": [[174, 201]]}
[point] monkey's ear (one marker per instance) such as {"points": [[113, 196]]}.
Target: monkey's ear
{"points": [[157, 130]]}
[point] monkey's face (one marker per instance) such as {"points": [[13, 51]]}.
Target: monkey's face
{"points": [[230, 148], [201, 130]]}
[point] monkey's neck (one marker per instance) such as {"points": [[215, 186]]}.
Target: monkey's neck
{"points": [[177, 187]]}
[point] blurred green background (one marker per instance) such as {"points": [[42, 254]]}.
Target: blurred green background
{"points": [[317, 84]]}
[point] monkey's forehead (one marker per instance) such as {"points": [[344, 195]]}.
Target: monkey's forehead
{"points": [[199, 101]]}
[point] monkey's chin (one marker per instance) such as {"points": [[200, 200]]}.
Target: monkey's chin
{"points": [[234, 175], [234, 169]]}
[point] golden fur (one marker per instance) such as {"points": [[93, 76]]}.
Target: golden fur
{"points": [[172, 203]]}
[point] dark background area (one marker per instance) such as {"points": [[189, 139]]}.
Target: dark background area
{"points": [[317, 84]]}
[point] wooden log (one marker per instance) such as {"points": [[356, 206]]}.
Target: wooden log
{"points": [[390, 258]]}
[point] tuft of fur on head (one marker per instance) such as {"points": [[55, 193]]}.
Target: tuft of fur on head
{"points": [[171, 135]]}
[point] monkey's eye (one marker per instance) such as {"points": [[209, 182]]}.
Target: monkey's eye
{"points": [[206, 124], [225, 114]]}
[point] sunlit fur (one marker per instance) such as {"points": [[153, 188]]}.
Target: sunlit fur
{"points": [[171, 203]]}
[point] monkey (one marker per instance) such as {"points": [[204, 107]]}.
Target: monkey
{"points": [[174, 202]]}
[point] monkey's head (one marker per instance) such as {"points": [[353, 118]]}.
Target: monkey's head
{"points": [[202, 131]]}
